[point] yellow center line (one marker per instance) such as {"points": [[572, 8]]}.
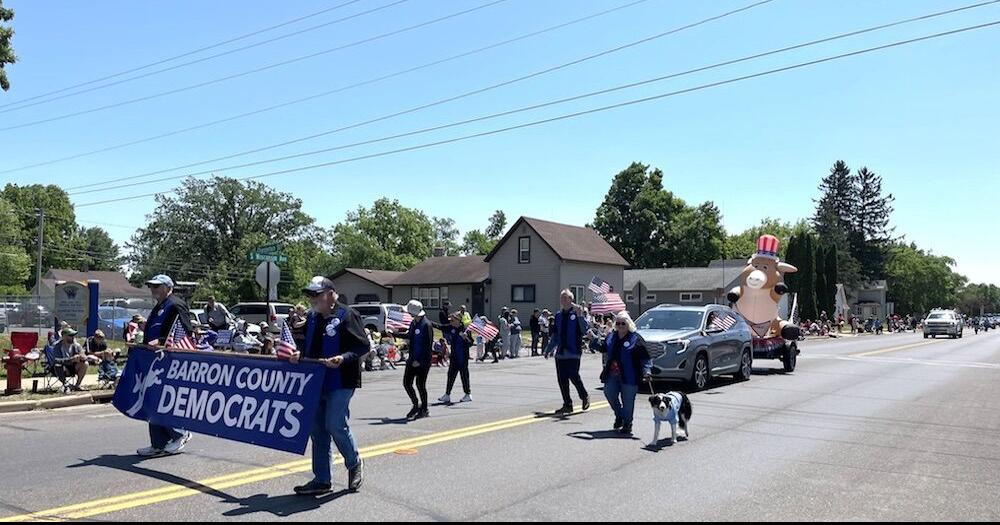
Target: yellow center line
{"points": [[894, 349], [173, 492]]}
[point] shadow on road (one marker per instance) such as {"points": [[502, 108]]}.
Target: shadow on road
{"points": [[280, 506], [381, 421], [132, 464], [601, 435]]}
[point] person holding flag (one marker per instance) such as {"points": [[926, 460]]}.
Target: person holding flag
{"points": [[335, 337], [460, 342], [167, 326], [568, 330]]}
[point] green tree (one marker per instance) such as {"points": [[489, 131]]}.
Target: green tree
{"points": [[97, 251], [834, 220], [871, 224], [446, 236], [920, 281], [802, 254], [478, 242], [822, 297], [651, 227], [744, 244], [387, 236], [15, 263], [831, 280], [6, 49], [60, 231], [205, 230]]}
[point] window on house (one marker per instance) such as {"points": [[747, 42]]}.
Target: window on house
{"points": [[651, 298], [579, 292], [430, 297], [691, 297], [522, 293], [524, 250], [630, 297], [444, 294]]}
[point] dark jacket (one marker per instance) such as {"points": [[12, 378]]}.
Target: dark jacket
{"points": [[421, 342], [162, 319], [536, 327], [353, 344], [570, 344], [631, 357]]}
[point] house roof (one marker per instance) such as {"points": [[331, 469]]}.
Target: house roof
{"points": [[383, 278], [446, 270], [683, 279], [570, 243], [729, 263], [113, 284]]}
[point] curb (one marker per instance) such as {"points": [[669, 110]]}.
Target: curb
{"points": [[59, 402]]}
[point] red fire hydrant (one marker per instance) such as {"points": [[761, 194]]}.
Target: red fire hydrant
{"points": [[14, 362]]}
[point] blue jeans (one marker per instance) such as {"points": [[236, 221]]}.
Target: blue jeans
{"points": [[331, 425], [160, 436], [622, 399]]}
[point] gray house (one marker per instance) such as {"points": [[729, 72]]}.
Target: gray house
{"points": [[364, 286], [537, 259], [645, 289], [458, 280]]}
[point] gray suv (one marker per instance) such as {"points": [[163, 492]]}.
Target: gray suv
{"points": [[686, 346]]}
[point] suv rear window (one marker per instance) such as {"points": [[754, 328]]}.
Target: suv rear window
{"points": [[284, 310], [368, 311], [250, 310]]}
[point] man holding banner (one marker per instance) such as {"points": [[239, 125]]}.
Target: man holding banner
{"points": [[336, 338], [168, 311]]}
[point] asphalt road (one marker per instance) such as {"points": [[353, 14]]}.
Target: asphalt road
{"points": [[873, 428]]}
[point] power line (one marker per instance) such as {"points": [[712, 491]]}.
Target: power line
{"points": [[182, 55], [323, 94], [253, 71], [210, 57], [466, 94], [554, 102], [586, 112]]}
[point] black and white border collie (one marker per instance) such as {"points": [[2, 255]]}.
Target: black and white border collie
{"points": [[673, 408]]}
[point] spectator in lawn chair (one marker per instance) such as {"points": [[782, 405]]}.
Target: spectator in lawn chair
{"points": [[217, 318], [168, 310], [98, 354], [70, 360]]}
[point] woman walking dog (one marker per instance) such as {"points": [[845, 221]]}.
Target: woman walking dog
{"points": [[628, 365]]}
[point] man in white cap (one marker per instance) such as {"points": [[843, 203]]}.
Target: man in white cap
{"points": [[418, 365], [168, 310], [335, 336]]}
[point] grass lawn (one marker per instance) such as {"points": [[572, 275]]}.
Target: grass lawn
{"points": [[5, 346]]}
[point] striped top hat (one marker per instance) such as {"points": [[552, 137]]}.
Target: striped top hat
{"points": [[767, 246]]}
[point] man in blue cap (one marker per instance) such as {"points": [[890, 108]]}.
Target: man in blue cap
{"points": [[335, 336], [169, 309]]}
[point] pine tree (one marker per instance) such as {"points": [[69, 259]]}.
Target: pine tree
{"points": [[802, 254], [822, 300], [831, 280], [871, 222], [834, 220]]}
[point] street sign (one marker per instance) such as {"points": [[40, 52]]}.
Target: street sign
{"points": [[270, 249], [261, 257]]}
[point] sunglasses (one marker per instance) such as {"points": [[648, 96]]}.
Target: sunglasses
{"points": [[621, 324]]}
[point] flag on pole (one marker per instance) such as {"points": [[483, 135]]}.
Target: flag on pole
{"points": [[179, 338], [609, 303], [724, 323], [481, 326], [398, 321], [598, 286], [286, 345]]}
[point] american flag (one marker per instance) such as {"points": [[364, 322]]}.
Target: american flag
{"points": [[398, 321], [609, 303], [481, 326], [598, 286], [179, 338], [286, 345], [725, 323]]}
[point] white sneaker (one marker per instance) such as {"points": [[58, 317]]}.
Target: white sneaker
{"points": [[149, 452], [467, 399], [177, 446], [446, 399]]}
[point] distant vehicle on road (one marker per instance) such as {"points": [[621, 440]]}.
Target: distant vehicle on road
{"points": [[257, 313], [114, 320], [30, 315], [685, 346], [373, 314], [944, 322]]}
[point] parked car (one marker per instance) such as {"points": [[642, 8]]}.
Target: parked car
{"points": [[113, 321], [685, 346], [3, 321], [145, 304], [257, 313], [943, 322], [373, 314], [30, 315]]}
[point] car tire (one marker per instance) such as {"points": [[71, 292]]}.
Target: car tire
{"points": [[700, 374], [790, 359], [746, 366]]}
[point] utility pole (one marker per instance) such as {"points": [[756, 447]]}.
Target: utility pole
{"points": [[38, 267]]}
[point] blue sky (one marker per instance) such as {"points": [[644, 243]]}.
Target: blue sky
{"points": [[923, 116]]}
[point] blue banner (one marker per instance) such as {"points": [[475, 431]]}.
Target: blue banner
{"points": [[262, 402]]}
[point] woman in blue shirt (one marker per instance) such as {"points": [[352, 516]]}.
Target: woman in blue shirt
{"points": [[628, 364]]}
